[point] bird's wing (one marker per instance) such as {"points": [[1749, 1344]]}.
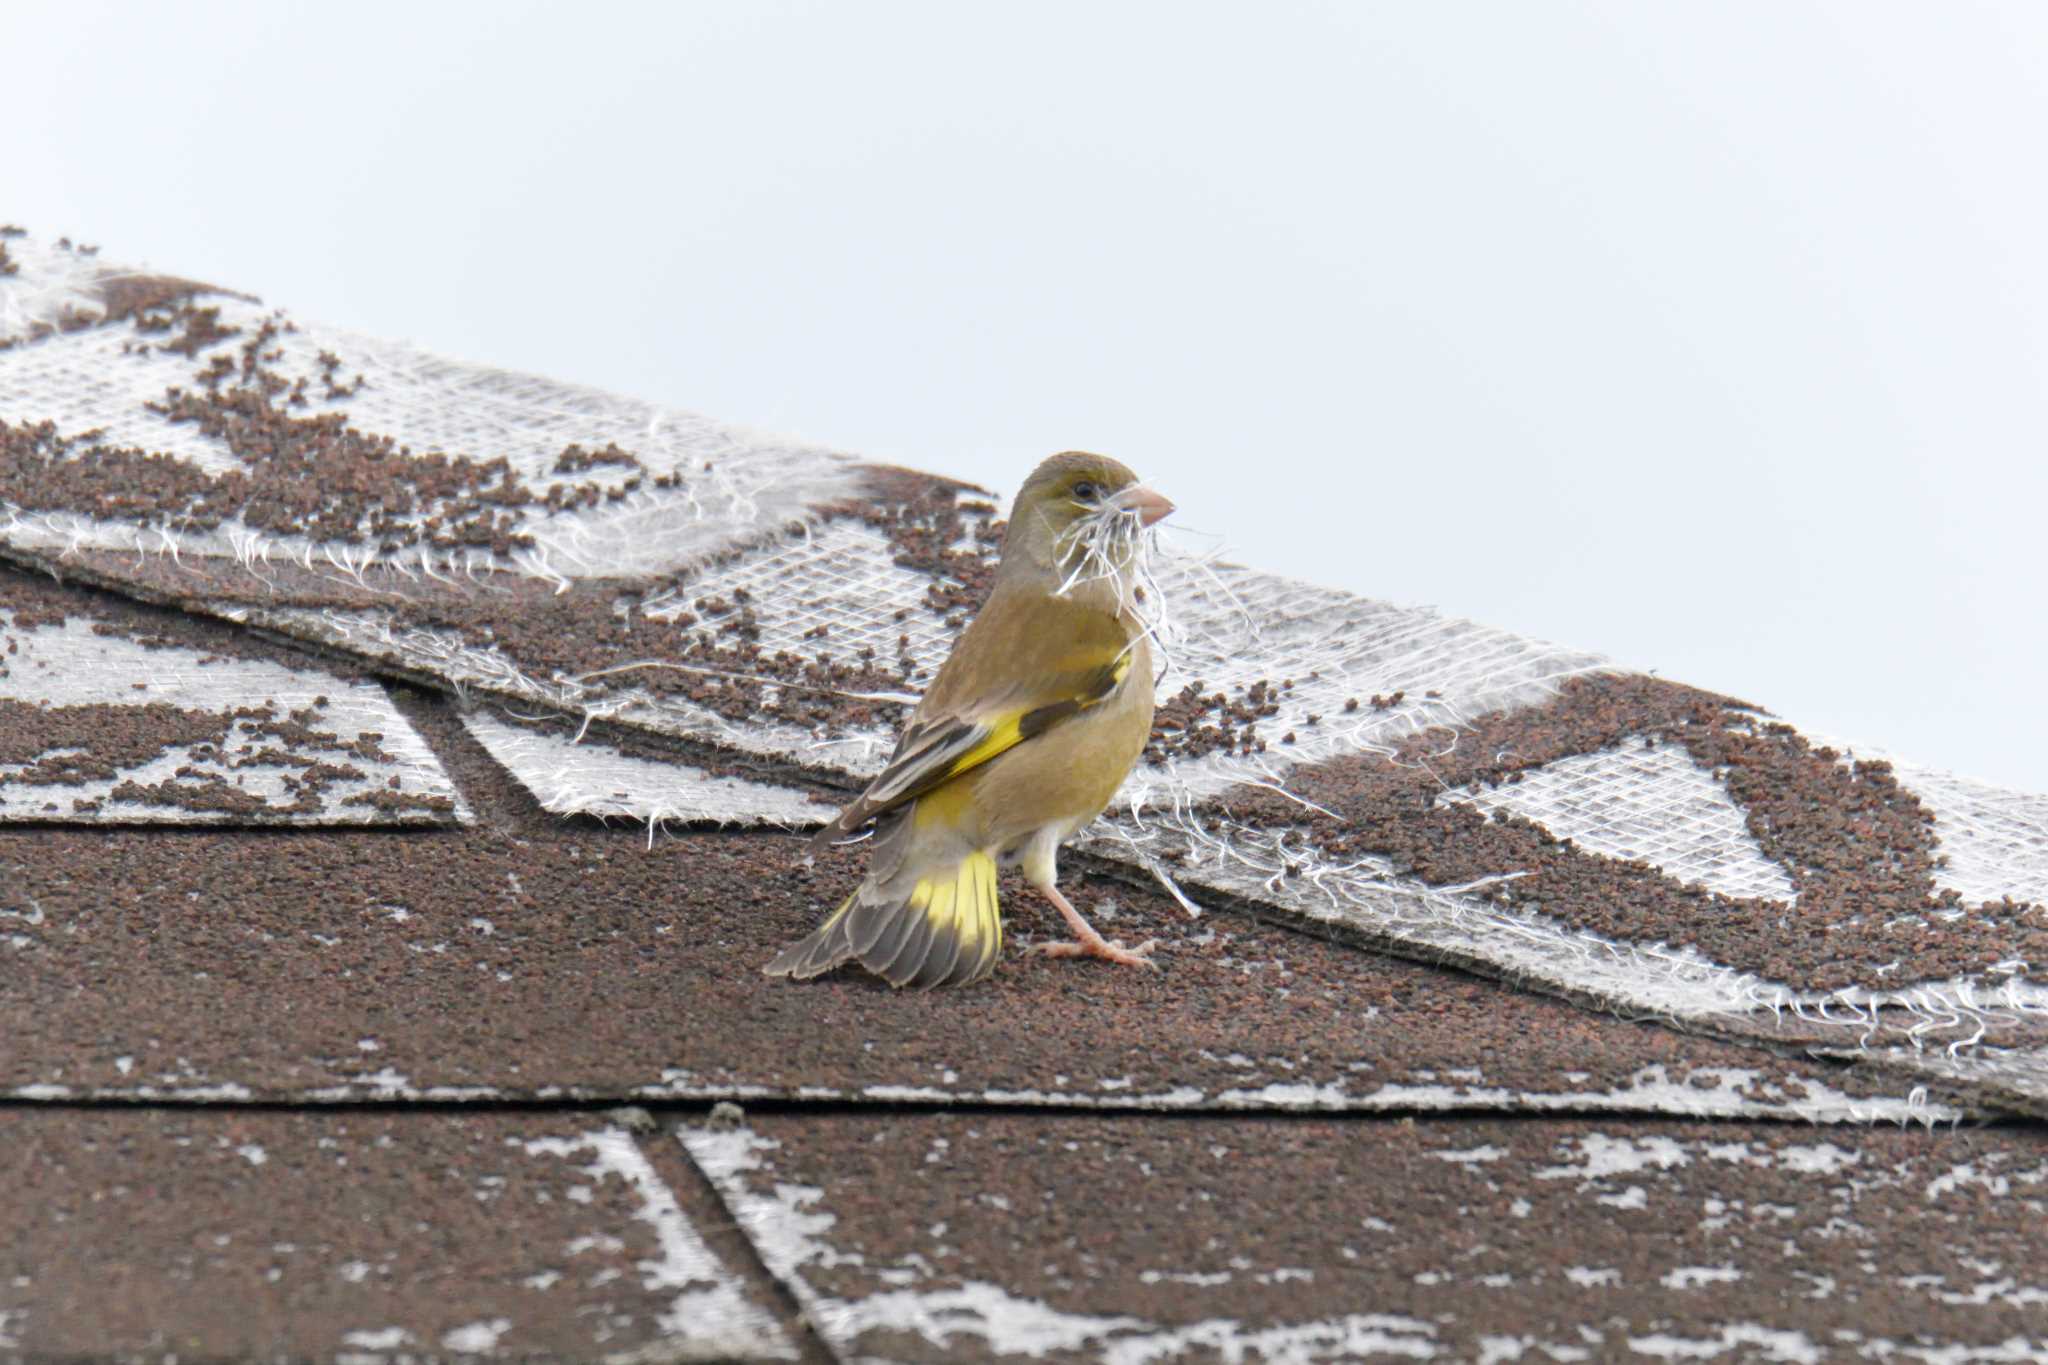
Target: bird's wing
{"points": [[1060, 665]]}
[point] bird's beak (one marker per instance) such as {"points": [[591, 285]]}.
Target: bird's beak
{"points": [[1150, 506]]}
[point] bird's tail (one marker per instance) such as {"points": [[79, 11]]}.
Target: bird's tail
{"points": [[945, 932]]}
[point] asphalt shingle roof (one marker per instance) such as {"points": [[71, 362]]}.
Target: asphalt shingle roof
{"points": [[403, 766]]}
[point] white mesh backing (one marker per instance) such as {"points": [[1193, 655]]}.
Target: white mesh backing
{"points": [[1993, 842], [1651, 803], [839, 576], [1231, 627], [70, 665], [734, 483], [591, 778], [83, 382], [384, 638], [47, 281]]}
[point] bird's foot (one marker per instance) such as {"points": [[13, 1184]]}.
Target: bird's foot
{"points": [[1108, 951], [1088, 943]]}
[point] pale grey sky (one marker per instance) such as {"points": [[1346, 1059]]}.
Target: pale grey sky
{"points": [[1713, 337]]}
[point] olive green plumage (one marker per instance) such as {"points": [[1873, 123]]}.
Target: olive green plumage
{"points": [[1023, 738]]}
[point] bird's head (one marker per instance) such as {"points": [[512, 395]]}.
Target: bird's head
{"points": [[1081, 516]]}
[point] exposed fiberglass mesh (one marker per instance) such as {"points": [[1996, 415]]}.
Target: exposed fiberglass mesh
{"points": [[1994, 841], [1443, 787], [145, 413], [594, 778], [1649, 802], [100, 725]]}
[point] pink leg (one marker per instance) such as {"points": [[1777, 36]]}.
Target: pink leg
{"points": [[1088, 943]]}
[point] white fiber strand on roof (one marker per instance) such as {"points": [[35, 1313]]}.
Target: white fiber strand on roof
{"points": [[2023, 1070]]}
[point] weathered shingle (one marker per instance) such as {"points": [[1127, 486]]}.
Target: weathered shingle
{"points": [[140, 1233], [989, 1237], [1514, 988], [115, 713]]}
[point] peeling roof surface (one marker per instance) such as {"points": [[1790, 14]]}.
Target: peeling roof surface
{"points": [[404, 764], [113, 713]]}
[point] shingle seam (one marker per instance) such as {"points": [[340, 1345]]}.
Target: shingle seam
{"points": [[731, 1237], [1535, 1106]]}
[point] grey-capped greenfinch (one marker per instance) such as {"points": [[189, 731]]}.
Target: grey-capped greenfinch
{"points": [[1023, 737]]}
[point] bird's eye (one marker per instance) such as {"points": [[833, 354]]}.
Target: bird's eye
{"points": [[1086, 491]]}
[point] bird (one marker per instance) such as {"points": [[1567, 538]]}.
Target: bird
{"points": [[1023, 737]]}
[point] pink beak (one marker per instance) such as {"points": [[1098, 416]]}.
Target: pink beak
{"points": [[1150, 506]]}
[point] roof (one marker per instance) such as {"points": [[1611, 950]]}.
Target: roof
{"points": [[403, 768]]}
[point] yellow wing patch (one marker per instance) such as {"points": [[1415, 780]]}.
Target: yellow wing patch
{"points": [[1012, 730], [936, 753]]}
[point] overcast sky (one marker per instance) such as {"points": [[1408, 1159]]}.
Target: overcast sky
{"points": [[1713, 337]]}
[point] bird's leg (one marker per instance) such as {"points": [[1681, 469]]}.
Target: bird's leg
{"points": [[1088, 943]]}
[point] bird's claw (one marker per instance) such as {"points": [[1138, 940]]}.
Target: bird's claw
{"points": [[1106, 949]]}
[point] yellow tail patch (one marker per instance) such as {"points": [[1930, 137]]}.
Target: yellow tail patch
{"points": [[947, 932], [952, 929]]}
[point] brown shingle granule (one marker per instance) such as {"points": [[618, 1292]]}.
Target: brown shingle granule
{"points": [[1858, 847]]}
